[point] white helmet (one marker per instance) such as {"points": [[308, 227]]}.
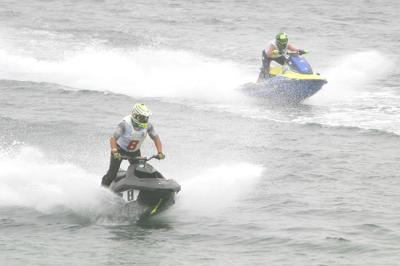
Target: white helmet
{"points": [[140, 115]]}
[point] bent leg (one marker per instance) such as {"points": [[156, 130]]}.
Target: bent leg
{"points": [[265, 66], [280, 60], [112, 172], [132, 155]]}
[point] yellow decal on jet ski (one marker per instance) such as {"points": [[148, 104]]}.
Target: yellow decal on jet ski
{"points": [[278, 71]]}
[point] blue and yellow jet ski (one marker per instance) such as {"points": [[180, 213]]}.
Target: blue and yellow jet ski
{"points": [[291, 83]]}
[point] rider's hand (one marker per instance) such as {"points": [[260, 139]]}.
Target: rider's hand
{"points": [[275, 53], [116, 154], [160, 156], [301, 52]]}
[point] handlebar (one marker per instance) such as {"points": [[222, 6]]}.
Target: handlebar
{"points": [[139, 158], [288, 53], [299, 52]]}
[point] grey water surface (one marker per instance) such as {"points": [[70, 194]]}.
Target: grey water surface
{"points": [[262, 184]]}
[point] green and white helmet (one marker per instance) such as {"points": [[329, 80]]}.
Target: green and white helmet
{"points": [[140, 115], [281, 40]]}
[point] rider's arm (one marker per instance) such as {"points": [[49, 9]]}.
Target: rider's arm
{"points": [[296, 50], [113, 143], [157, 142], [156, 139], [292, 48], [270, 51], [117, 133]]}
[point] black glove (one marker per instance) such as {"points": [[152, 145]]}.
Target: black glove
{"points": [[301, 52]]}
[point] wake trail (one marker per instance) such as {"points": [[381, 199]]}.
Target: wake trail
{"points": [[143, 72], [217, 189], [350, 75], [29, 180]]}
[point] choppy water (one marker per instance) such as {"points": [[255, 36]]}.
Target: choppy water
{"points": [[313, 184]]}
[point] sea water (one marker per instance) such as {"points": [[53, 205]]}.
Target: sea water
{"points": [[311, 184]]}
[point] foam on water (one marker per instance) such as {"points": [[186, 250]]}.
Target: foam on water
{"points": [[351, 74], [29, 180], [352, 89], [354, 97], [213, 191], [143, 72]]}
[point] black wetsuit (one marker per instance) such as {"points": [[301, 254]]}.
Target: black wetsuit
{"points": [[114, 167], [266, 61]]}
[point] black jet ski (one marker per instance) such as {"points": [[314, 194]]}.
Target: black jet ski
{"points": [[143, 187]]}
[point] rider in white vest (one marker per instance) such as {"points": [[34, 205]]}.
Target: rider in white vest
{"points": [[128, 139], [275, 52]]}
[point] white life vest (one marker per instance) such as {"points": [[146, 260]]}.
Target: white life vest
{"points": [[132, 138]]}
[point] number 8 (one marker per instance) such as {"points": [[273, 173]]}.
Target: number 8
{"points": [[132, 145]]}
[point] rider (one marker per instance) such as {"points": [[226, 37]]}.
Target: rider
{"points": [[276, 51], [127, 139]]}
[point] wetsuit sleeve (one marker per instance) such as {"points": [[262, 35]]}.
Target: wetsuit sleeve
{"points": [[119, 130], [150, 130]]}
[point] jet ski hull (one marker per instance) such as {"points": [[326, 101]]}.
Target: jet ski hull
{"points": [[282, 89], [144, 188], [291, 83], [147, 203]]}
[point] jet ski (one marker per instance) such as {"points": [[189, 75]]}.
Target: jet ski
{"points": [[142, 187], [291, 83]]}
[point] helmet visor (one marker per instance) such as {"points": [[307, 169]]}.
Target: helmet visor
{"points": [[141, 118], [282, 44]]}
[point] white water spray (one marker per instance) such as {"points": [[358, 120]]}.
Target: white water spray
{"points": [[215, 190], [143, 72], [29, 180], [350, 75], [354, 96]]}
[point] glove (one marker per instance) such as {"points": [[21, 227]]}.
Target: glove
{"points": [[160, 156], [301, 52], [116, 155], [275, 53]]}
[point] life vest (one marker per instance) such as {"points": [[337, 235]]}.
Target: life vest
{"points": [[132, 138]]}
